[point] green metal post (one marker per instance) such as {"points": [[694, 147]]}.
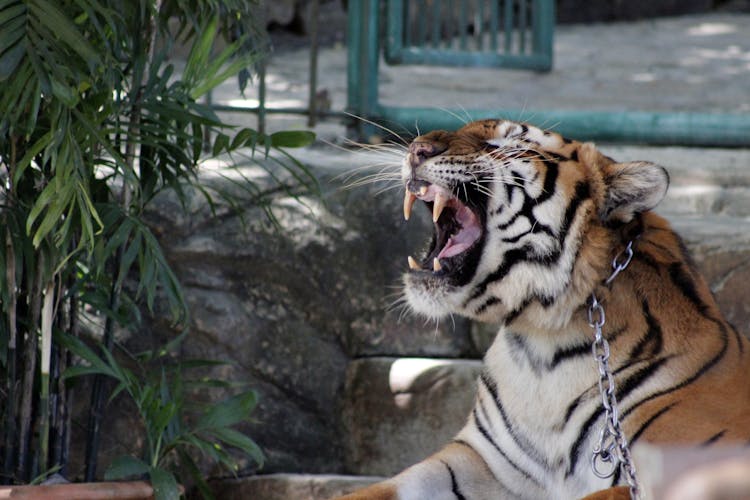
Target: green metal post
{"points": [[262, 96], [544, 14], [364, 55], [494, 25], [312, 100], [508, 23]]}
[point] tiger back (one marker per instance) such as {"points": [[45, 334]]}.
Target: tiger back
{"points": [[526, 226]]}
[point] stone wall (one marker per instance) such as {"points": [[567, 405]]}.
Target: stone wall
{"points": [[288, 307]]}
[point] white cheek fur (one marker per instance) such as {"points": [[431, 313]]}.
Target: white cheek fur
{"points": [[425, 301]]}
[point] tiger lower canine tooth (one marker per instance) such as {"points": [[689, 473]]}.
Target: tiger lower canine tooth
{"points": [[413, 264], [409, 200], [436, 265], [438, 206]]}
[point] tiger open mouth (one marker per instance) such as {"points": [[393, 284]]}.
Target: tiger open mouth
{"points": [[458, 232]]}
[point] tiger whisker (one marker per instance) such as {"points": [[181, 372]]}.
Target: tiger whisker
{"points": [[387, 188], [380, 126]]}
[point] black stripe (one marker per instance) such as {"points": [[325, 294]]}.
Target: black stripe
{"points": [[487, 303], [489, 439], [740, 340], [650, 421], [575, 449], [648, 260], [631, 383], [525, 253], [515, 239], [628, 386], [517, 343], [573, 406], [454, 483], [550, 179], [521, 441], [714, 438], [569, 352], [577, 401], [664, 249], [517, 312], [616, 477], [700, 372], [546, 301], [560, 355], [682, 280], [512, 257], [556, 156], [652, 340]]}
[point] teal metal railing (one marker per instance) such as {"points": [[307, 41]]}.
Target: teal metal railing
{"points": [[502, 35], [499, 33]]}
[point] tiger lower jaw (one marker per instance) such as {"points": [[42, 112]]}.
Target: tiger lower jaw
{"points": [[434, 285], [427, 298]]}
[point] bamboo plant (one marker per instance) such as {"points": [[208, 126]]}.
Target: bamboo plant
{"points": [[95, 121]]}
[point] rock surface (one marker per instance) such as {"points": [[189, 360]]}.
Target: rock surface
{"points": [[287, 307], [398, 411]]}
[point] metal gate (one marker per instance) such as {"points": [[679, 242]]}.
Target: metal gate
{"points": [[496, 33], [500, 33]]}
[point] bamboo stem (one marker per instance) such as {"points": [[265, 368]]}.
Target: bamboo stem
{"points": [[47, 320], [61, 418], [10, 415], [30, 355], [10, 279]]}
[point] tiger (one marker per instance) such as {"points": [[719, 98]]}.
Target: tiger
{"points": [[527, 227]]}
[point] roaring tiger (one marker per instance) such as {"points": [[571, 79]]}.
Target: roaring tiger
{"points": [[527, 225]]}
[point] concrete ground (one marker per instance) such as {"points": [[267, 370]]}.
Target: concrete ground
{"points": [[697, 63]]}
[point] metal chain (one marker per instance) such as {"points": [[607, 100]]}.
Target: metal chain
{"points": [[612, 449]]}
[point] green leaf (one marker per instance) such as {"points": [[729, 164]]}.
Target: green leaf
{"points": [[64, 29], [196, 474], [126, 466], [52, 203], [243, 137], [78, 348], [239, 440], [81, 370], [31, 153], [229, 412], [164, 483], [200, 52], [292, 138], [10, 59], [220, 143]]}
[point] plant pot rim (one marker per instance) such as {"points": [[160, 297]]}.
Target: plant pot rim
{"points": [[109, 490]]}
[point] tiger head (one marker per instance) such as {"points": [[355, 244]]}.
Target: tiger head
{"points": [[524, 220]]}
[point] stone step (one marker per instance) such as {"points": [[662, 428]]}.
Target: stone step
{"points": [[397, 411], [288, 486], [703, 181]]}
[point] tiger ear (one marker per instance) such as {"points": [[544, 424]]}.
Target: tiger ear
{"points": [[632, 188]]}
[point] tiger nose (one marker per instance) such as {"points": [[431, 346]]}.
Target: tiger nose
{"points": [[420, 151]]}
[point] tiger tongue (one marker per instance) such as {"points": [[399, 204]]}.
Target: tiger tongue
{"points": [[469, 233]]}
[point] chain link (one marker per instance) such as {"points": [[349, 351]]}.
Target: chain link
{"points": [[612, 450]]}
